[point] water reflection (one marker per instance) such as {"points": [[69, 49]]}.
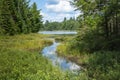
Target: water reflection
{"points": [[50, 53]]}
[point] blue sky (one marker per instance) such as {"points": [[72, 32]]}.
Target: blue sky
{"points": [[56, 10]]}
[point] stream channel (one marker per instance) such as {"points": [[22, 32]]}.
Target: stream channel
{"points": [[50, 53]]}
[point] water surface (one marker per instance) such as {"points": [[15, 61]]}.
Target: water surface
{"points": [[50, 53], [58, 32]]}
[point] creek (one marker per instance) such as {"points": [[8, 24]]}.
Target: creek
{"points": [[50, 53]]}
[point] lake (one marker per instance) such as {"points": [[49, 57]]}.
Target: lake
{"points": [[58, 32]]}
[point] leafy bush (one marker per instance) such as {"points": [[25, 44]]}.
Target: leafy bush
{"points": [[104, 66]]}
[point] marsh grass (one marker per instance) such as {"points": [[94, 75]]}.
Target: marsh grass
{"points": [[20, 59], [24, 42]]}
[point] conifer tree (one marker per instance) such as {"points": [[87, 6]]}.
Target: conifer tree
{"points": [[16, 16], [36, 18]]}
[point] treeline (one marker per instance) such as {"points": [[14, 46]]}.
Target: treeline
{"points": [[70, 24], [99, 25], [16, 16]]}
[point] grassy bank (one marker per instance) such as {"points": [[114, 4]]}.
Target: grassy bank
{"points": [[72, 54], [101, 65], [20, 59], [28, 42]]}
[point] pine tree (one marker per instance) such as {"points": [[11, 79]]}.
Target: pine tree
{"points": [[7, 17], [36, 18], [17, 17]]}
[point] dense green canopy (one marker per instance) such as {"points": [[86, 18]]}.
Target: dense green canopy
{"points": [[16, 16], [99, 22]]}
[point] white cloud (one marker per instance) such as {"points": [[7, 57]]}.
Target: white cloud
{"points": [[62, 6], [57, 11], [43, 14], [57, 17], [77, 13]]}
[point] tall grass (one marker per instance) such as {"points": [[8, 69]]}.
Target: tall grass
{"points": [[20, 59]]}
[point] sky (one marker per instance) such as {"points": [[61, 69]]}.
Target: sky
{"points": [[56, 10]]}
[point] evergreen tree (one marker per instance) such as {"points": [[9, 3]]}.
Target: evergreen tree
{"points": [[17, 17], [36, 18], [7, 17]]}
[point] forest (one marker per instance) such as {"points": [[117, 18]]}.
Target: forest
{"points": [[71, 24], [96, 47], [16, 17]]}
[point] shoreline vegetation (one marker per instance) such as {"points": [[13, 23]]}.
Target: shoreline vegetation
{"points": [[21, 59], [99, 65]]}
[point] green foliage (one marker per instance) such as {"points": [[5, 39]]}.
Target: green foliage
{"points": [[98, 38], [36, 19], [20, 60], [98, 23], [99, 31], [51, 26], [104, 66], [17, 17], [70, 24], [96, 46]]}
